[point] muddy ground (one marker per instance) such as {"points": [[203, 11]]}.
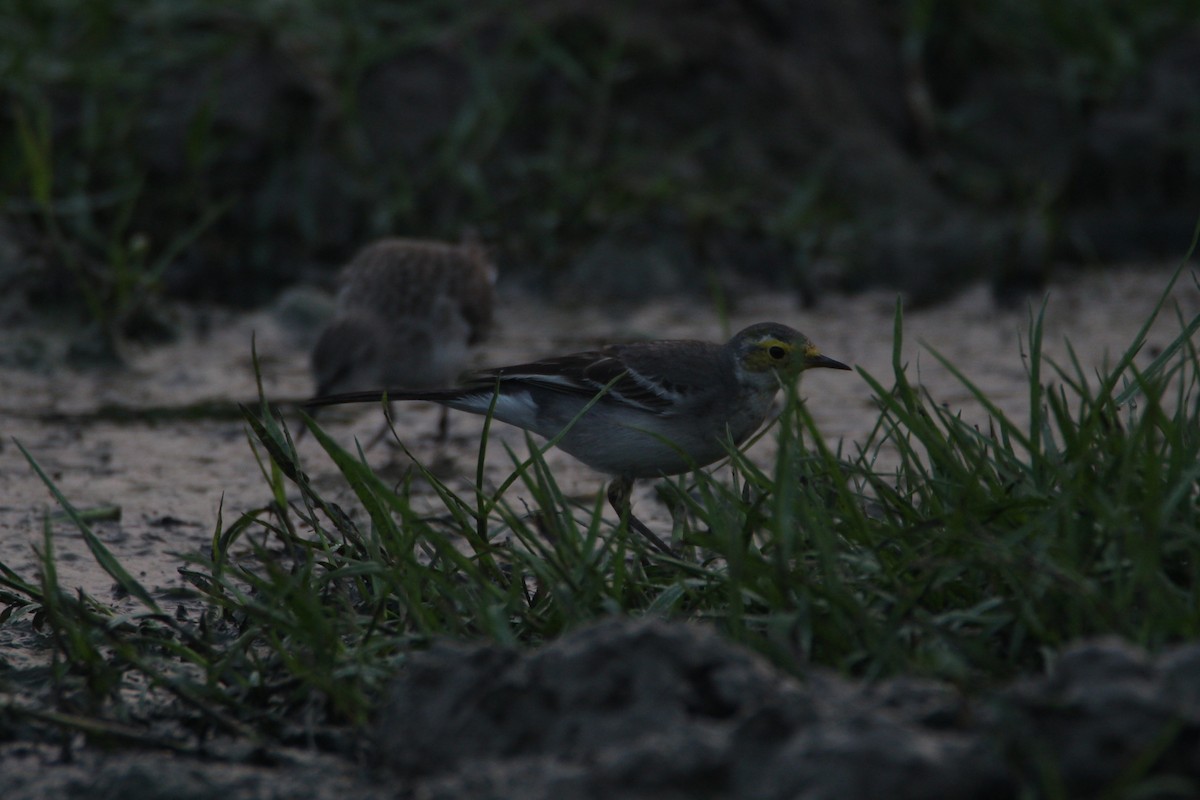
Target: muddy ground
{"points": [[111, 437]]}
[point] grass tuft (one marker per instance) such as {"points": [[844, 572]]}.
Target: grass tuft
{"points": [[958, 544]]}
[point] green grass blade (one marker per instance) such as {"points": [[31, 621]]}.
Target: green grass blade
{"points": [[102, 554]]}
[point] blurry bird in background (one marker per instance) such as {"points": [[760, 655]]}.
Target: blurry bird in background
{"points": [[408, 311]]}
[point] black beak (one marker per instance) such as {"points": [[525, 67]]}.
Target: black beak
{"points": [[823, 361]]}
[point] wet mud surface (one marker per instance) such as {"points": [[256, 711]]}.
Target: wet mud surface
{"points": [[158, 449]]}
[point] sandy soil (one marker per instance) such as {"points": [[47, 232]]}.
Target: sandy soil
{"points": [[168, 475]]}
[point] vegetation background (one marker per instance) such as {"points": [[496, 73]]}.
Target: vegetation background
{"points": [[219, 151]]}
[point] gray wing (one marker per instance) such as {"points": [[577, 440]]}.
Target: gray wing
{"points": [[637, 375]]}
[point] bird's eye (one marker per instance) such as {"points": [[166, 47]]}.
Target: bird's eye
{"points": [[777, 352]]}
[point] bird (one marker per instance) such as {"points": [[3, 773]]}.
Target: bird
{"points": [[635, 410], [407, 312]]}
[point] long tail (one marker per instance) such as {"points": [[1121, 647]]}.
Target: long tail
{"points": [[377, 395]]}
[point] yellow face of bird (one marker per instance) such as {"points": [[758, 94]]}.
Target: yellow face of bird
{"points": [[785, 351], [774, 353]]}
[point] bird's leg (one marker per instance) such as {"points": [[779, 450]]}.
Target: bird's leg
{"points": [[619, 492], [301, 431], [443, 425]]}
